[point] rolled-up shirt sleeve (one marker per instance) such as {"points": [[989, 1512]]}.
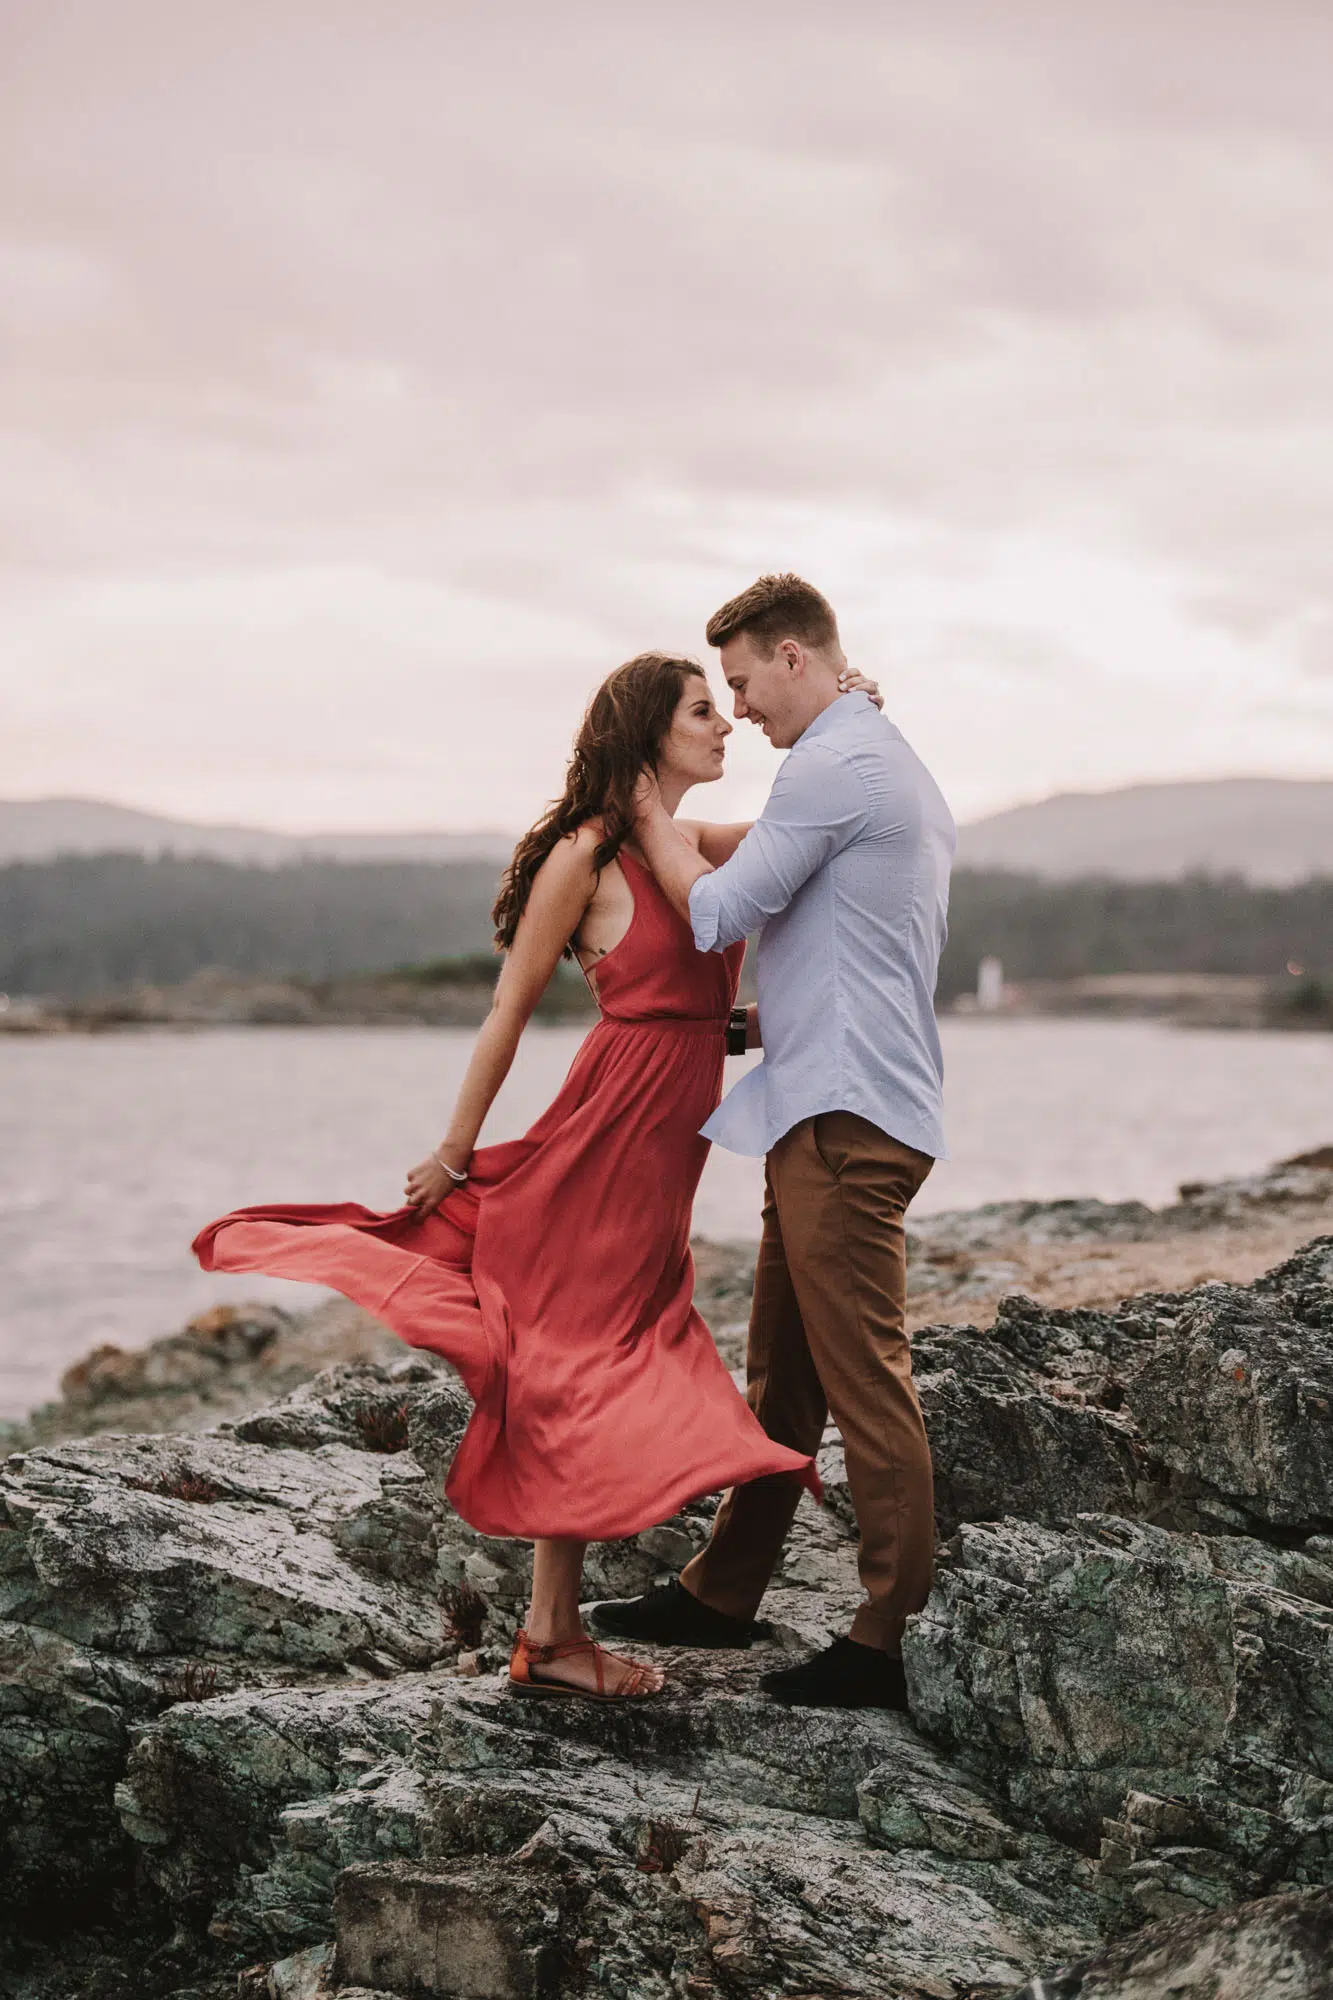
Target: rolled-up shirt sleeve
{"points": [[817, 805]]}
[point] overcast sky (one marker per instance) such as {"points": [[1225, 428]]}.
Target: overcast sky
{"points": [[377, 377]]}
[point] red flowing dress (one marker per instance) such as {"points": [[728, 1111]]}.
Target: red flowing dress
{"points": [[559, 1281]]}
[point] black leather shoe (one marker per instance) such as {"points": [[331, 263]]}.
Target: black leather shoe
{"points": [[845, 1675], [667, 1615]]}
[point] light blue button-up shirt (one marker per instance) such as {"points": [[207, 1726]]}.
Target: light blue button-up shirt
{"points": [[845, 876]]}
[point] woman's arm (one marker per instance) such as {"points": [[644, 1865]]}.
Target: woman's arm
{"points": [[716, 843], [561, 891]]}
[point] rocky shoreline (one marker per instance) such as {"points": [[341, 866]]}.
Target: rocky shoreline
{"points": [[253, 1742]]}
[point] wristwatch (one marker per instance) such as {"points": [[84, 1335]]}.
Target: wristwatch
{"points": [[738, 1031]]}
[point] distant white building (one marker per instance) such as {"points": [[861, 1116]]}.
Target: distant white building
{"points": [[990, 985]]}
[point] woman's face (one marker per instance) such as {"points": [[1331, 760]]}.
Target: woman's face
{"points": [[693, 748]]}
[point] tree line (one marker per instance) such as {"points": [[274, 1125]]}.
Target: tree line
{"points": [[1069, 930], [84, 925]]}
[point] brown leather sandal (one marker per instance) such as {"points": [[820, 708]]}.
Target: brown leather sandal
{"points": [[526, 1656]]}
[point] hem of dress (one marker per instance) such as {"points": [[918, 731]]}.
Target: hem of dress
{"points": [[808, 1477]]}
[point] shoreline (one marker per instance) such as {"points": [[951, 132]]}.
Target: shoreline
{"points": [[89, 1023], [454, 994], [219, 1000]]}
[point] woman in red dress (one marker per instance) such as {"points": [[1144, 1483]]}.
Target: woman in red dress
{"points": [[554, 1271]]}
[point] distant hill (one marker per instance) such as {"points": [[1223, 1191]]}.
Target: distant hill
{"points": [[1270, 830], [39, 829]]}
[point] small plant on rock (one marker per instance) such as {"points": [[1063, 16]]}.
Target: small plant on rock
{"points": [[193, 1682], [181, 1484], [382, 1429], [661, 1846], [463, 1611]]}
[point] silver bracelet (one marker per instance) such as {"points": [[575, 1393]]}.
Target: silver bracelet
{"points": [[453, 1173]]}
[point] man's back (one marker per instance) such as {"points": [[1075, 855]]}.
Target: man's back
{"points": [[846, 876]]}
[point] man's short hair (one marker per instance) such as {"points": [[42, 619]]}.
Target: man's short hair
{"points": [[775, 608]]}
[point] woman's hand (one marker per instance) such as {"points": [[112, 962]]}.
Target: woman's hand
{"points": [[428, 1184], [852, 681]]}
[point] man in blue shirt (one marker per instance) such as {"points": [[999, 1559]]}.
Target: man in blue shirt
{"points": [[845, 878]]}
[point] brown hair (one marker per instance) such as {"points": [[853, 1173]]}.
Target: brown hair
{"points": [[621, 732], [774, 608]]}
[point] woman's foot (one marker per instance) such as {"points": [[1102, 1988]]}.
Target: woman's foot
{"points": [[580, 1667]]}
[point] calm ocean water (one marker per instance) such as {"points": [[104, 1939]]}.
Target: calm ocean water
{"points": [[114, 1149]]}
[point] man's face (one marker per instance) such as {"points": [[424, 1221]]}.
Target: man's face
{"points": [[764, 686]]}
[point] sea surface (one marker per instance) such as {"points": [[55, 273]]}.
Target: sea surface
{"points": [[114, 1149]]}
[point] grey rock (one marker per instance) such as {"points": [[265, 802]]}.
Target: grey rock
{"points": [[138, 1573], [1239, 1400], [1302, 1183], [1281, 1947], [477, 1933], [143, 1546], [1164, 1695], [1083, 1350], [367, 1407], [65, 1718], [306, 1975], [1015, 1447], [1206, 1410], [996, 1222], [1202, 1205], [705, 1831]]}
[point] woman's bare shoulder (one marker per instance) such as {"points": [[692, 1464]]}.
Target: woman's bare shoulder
{"points": [[582, 844], [585, 840], [571, 859], [693, 830]]}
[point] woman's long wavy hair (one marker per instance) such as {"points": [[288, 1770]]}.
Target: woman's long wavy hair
{"points": [[622, 731]]}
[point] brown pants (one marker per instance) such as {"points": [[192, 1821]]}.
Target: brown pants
{"points": [[828, 1334]]}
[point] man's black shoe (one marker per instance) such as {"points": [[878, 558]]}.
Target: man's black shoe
{"points": [[845, 1675], [668, 1615]]}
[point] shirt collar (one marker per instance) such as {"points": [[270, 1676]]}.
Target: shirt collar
{"points": [[853, 703]]}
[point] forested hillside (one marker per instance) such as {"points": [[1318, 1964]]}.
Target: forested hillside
{"points": [[90, 924], [1066, 930], [86, 925]]}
